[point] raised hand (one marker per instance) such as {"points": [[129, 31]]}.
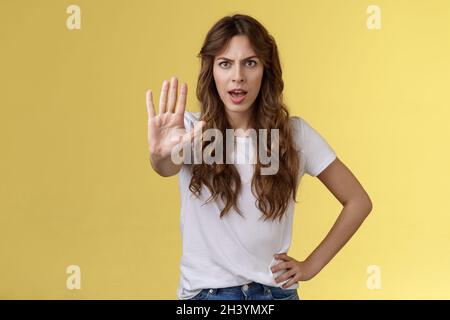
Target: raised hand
{"points": [[166, 129]]}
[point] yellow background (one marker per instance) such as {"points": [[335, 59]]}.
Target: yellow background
{"points": [[77, 186]]}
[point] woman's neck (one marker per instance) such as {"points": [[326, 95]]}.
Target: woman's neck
{"points": [[242, 121]]}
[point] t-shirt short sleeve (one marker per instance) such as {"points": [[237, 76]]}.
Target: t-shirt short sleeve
{"points": [[317, 153]]}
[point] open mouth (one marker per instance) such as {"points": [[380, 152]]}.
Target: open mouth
{"points": [[237, 96]]}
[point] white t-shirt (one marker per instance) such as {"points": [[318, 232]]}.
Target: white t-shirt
{"points": [[235, 250]]}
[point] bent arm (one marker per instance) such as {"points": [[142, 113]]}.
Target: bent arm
{"points": [[357, 205]]}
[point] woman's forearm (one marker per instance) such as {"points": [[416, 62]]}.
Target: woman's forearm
{"points": [[349, 220]]}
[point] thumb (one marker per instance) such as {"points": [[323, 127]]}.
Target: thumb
{"points": [[197, 131]]}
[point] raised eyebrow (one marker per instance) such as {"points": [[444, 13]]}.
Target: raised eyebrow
{"points": [[226, 59]]}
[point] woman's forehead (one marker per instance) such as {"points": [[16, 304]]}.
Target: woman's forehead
{"points": [[239, 47]]}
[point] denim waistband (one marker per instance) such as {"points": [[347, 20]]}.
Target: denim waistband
{"points": [[248, 288]]}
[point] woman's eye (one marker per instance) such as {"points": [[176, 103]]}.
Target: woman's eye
{"points": [[251, 63]]}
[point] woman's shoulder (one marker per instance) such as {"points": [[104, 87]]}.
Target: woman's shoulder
{"points": [[313, 145], [302, 126], [190, 118], [296, 122], [193, 116], [302, 130]]}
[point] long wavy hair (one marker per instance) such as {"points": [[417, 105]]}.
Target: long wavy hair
{"points": [[223, 180]]}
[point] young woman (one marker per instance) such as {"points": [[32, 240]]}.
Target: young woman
{"points": [[236, 222]]}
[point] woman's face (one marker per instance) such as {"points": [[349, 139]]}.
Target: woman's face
{"points": [[237, 67]]}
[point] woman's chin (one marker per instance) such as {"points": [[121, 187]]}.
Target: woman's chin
{"points": [[235, 108]]}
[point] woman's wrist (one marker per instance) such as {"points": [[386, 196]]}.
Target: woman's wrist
{"points": [[314, 265]]}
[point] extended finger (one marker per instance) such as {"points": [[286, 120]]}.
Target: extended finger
{"points": [[150, 106], [163, 97], [197, 131], [280, 266], [172, 94], [181, 103]]}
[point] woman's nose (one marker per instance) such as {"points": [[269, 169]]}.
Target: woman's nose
{"points": [[238, 75]]}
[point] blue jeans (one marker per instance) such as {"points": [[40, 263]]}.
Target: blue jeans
{"points": [[249, 291]]}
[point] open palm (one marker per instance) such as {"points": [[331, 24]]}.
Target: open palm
{"points": [[166, 129]]}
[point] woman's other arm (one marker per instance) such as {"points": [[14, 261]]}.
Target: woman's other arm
{"points": [[356, 207]]}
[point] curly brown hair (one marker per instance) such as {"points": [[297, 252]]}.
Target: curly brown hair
{"points": [[272, 191]]}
